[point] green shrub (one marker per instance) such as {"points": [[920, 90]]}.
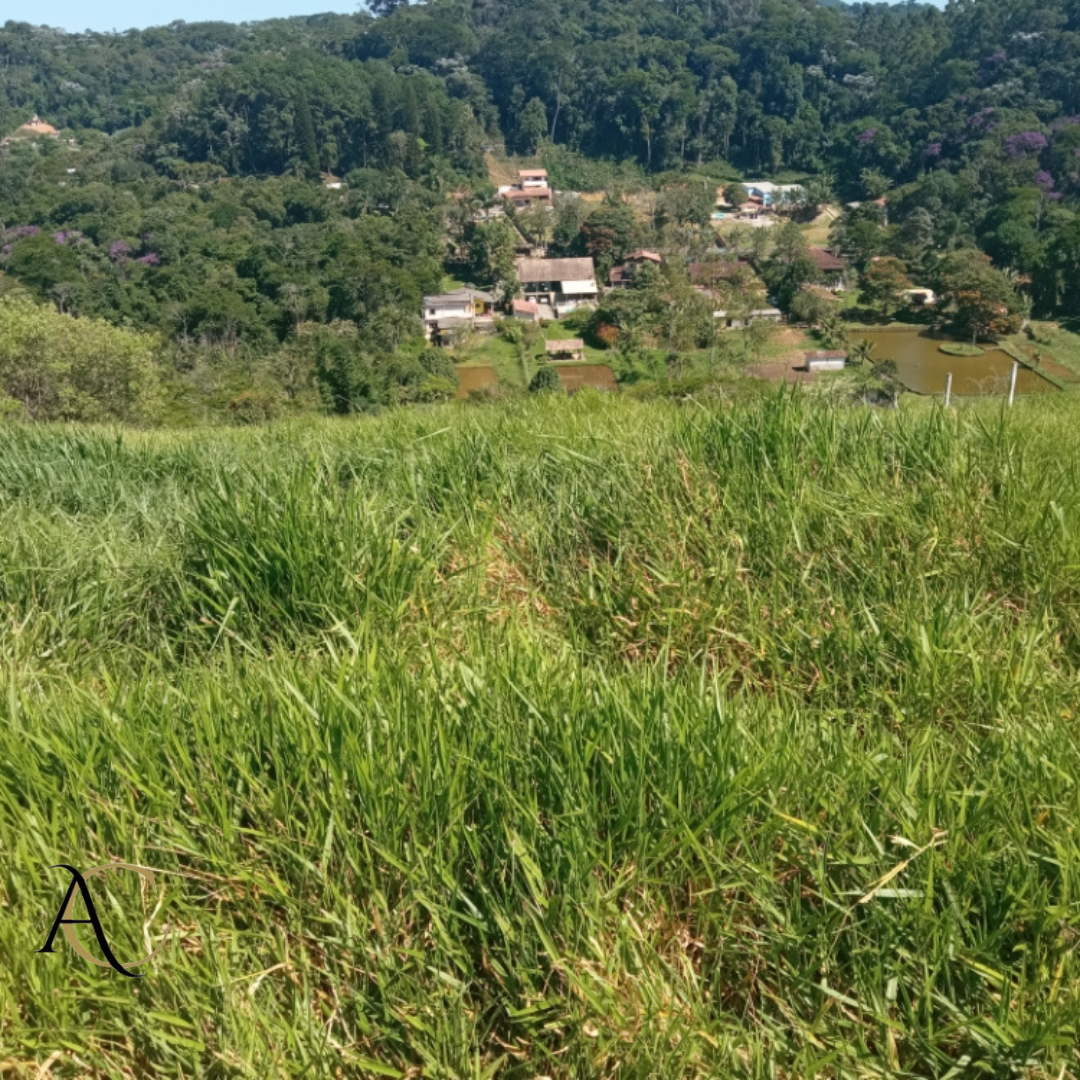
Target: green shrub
{"points": [[546, 381], [61, 368]]}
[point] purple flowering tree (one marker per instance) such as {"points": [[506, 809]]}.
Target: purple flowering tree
{"points": [[1025, 142]]}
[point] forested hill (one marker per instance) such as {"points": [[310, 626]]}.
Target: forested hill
{"points": [[767, 83]]}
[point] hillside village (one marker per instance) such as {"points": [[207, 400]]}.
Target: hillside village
{"points": [[748, 229], [778, 279], [553, 287]]}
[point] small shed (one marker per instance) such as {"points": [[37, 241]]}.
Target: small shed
{"points": [[569, 349], [528, 310], [826, 360]]}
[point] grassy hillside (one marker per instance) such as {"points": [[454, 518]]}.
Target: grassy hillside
{"points": [[565, 738]]}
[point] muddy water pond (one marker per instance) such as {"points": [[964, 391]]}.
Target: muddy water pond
{"points": [[922, 366], [575, 376], [474, 378]]}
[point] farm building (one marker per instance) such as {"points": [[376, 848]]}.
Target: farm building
{"points": [[825, 360], [565, 284], [568, 349]]}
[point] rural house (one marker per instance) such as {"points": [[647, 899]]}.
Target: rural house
{"points": [[447, 312], [531, 189], [831, 267], [532, 179], [622, 277], [565, 284], [522, 198], [770, 195]]}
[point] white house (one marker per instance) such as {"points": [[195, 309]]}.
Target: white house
{"points": [[771, 194], [531, 189], [532, 178], [447, 312]]}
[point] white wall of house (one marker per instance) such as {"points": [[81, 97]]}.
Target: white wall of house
{"points": [[461, 309], [579, 288]]}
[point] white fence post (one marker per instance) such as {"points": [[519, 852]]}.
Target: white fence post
{"points": [[1012, 382], [948, 389]]}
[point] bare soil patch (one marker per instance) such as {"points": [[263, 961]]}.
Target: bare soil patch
{"points": [[782, 371]]}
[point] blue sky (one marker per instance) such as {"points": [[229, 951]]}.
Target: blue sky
{"points": [[75, 15]]}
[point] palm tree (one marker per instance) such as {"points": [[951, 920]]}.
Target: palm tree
{"points": [[860, 351], [831, 328]]}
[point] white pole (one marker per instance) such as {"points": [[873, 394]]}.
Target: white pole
{"points": [[1012, 382], [948, 389]]}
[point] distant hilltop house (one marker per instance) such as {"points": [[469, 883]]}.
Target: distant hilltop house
{"points": [[763, 199], [622, 277], [445, 313], [37, 126], [565, 284], [768, 194], [531, 189]]}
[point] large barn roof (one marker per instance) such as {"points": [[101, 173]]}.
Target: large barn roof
{"points": [[531, 271]]}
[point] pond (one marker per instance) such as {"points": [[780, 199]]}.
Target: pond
{"points": [[474, 378], [923, 368], [575, 376]]}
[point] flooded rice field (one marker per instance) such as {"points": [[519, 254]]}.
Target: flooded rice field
{"points": [[575, 376], [474, 378], [923, 368]]}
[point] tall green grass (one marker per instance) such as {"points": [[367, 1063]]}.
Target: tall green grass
{"points": [[564, 738]]}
